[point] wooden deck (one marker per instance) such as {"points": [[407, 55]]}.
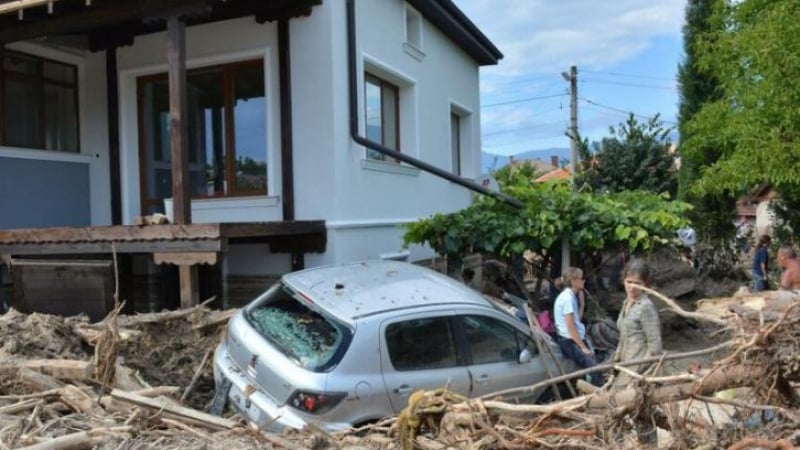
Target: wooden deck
{"points": [[285, 236]]}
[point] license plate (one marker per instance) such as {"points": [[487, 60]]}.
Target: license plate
{"points": [[220, 397]]}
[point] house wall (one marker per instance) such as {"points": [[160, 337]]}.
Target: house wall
{"points": [[364, 201], [47, 188]]}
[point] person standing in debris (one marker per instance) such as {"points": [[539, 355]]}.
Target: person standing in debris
{"points": [[638, 323], [640, 337], [761, 264], [790, 274], [570, 331]]}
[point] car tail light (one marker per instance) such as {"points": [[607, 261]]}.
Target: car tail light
{"points": [[315, 402]]}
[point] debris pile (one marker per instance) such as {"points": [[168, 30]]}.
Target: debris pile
{"points": [[145, 381]]}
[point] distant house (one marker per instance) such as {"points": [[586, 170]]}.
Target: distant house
{"points": [[281, 116], [753, 209]]}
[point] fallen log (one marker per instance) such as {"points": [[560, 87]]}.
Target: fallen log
{"points": [[163, 406], [67, 369], [38, 381], [604, 367], [80, 440], [80, 401], [718, 380], [23, 405]]}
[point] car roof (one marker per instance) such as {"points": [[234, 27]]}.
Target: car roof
{"points": [[355, 290]]}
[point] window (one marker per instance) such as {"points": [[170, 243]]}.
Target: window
{"points": [[382, 114], [311, 340], [455, 142], [491, 340], [40, 103], [413, 28], [421, 344], [226, 122]]}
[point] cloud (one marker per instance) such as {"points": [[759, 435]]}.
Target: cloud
{"points": [[547, 35]]}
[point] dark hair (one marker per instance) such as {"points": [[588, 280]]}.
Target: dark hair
{"points": [[764, 239], [638, 268]]}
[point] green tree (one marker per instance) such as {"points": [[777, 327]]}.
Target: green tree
{"points": [[636, 156], [552, 211], [713, 214], [527, 170], [753, 49]]}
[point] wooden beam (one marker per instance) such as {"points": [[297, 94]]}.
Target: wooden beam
{"points": [[285, 93], [185, 259], [205, 245], [164, 407], [176, 58], [123, 233], [17, 5], [93, 17]]}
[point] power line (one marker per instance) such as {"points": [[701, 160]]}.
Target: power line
{"points": [[636, 85], [513, 130], [622, 111], [628, 75], [527, 99]]}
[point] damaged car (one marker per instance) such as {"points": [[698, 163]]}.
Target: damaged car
{"points": [[346, 345]]}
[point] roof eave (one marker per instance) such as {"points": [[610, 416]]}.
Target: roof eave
{"points": [[446, 16]]}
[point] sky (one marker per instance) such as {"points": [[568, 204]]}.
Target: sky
{"points": [[626, 53]]}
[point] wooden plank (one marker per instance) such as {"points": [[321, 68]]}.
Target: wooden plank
{"points": [[185, 259], [190, 291], [166, 407], [205, 245], [112, 233]]}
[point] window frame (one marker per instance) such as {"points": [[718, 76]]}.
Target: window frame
{"points": [[457, 346], [522, 340], [456, 142], [41, 82], [382, 84], [228, 72]]}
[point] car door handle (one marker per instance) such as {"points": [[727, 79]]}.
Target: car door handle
{"points": [[403, 389], [482, 380]]}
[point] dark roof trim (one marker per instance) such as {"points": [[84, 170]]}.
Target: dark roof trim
{"points": [[457, 26]]}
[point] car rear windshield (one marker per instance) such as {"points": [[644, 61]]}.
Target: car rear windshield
{"points": [[313, 340]]}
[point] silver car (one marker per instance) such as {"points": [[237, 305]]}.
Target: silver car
{"points": [[345, 345]]}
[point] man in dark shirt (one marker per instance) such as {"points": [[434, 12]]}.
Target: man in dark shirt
{"points": [[761, 264]]}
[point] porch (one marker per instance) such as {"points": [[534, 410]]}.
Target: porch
{"points": [[79, 268]]}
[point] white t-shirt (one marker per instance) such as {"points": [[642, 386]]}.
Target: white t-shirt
{"points": [[566, 303]]}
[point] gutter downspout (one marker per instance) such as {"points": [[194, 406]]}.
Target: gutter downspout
{"points": [[361, 140]]}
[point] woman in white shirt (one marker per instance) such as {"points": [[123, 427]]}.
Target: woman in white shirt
{"points": [[570, 331]]}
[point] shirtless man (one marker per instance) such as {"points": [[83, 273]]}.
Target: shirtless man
{"points": [[790, 276]]}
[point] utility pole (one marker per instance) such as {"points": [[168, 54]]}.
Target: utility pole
{"points": [[572, 78]]}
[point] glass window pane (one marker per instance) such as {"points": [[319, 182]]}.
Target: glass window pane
{"points": [[455, 142], [155, 137], [61, 122], [59, 72], [21, 63], [23, 120], [206, 132], [373, 111], [389, 108], [490, 340], [421, 344], [250, 129]]}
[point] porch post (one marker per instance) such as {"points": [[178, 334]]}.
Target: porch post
{"points": [[181, 199]]}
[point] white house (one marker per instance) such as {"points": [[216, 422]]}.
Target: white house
{"points": [[87, 124]]}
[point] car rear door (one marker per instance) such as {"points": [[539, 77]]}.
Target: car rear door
{"points": [[419, 352], [493, 349]]}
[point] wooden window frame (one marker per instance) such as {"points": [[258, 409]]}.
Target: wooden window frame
{"points": [[456, 149], [381, 83], [228, 70], [40, 81]]}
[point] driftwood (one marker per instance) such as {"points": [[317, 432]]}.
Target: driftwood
{"points": [[161, 406], [67, 369], [80, 440]]}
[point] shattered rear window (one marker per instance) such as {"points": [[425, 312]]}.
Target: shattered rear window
{"points": [[314, 341]]}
